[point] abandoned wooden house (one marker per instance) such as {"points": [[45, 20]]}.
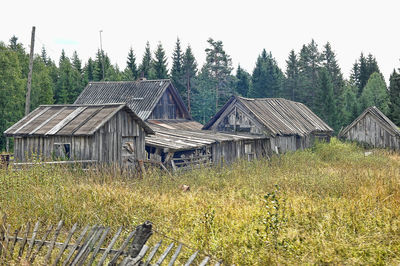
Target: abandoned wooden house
{"points": [[289, 125], [373, 128], [104, 133], [178, 139]]}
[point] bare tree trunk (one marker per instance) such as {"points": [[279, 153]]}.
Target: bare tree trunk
{"points": [[188, 91]]}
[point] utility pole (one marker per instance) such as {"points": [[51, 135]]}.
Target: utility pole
{"points": [[102, 54], [28, 90]]}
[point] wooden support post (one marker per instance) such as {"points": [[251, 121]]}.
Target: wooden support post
{"points": [[28, 90], [7, 144]]}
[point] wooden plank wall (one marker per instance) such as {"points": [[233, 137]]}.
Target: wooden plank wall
{"points": [[370, 131]]}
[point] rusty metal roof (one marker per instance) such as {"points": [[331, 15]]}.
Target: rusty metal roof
{"points": [[379, 116], [69, 120], [278, 116], [141, 96], [178, 140]]}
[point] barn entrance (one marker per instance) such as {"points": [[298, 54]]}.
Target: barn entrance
{"points": [[128, 155]]}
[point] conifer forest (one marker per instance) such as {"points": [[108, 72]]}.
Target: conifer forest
{"points": [[312, 75]]}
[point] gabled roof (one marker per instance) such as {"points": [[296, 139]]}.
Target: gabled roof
{"points": [[279, 116], [141, 96], [379, 116], [69, 120]]}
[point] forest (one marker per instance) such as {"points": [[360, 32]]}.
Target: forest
{"points": [[312, 75]]}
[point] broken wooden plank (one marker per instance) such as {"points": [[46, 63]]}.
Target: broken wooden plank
{"points": [[96, 250], [89, 237], [53, 241], [32, 242], [62, 249], [204, 261], [152, 253], [89, 247], [191, 259], [175, 256], [75, 246], [49, 229], [105, 254], [123, 246], [7, 240], [24, 240], [14, 241], [164, 255]]}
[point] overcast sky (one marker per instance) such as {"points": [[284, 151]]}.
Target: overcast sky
{"points": [[245, 27]]}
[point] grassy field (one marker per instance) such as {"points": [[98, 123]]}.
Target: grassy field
{"points": [[330, 204]]}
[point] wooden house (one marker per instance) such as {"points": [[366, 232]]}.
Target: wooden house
{"points": [[374, 129], [289, 125], [105, 133]]}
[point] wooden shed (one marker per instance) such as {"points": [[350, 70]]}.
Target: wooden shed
{"points": [[106, 133], [373, 128], [290, 125]]}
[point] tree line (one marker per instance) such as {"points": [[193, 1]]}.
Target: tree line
{"points": [[312, 76]]}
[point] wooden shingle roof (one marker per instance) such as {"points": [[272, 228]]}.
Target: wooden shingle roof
{"points": [[379, 116], [69, 120], [141, 96], [279, 116]]}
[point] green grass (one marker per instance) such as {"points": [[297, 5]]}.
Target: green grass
{"points": [[329, 204]]}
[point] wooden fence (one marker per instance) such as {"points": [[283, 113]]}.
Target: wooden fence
{"points": [[90, 247]]}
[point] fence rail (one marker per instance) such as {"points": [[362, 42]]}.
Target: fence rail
{"points": [[90, 247]]}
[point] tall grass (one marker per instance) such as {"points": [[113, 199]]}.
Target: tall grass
{"points": [[329, 204]]}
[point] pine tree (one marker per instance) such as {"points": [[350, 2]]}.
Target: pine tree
{"points": [[375, 94], [394, 96], [177, 72], [326, 105], [145, 67], [131, 71], [160, 63], [219, 67], [189, 68], [292, 77], [362, 70], [243, 78]]}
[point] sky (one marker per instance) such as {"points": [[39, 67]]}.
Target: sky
{"points": [[244, 27]]}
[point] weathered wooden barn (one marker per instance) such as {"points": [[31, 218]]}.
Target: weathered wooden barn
{"points": [[374, 129], [154, 101], [105, 133], [289, 125], [178, 138]]}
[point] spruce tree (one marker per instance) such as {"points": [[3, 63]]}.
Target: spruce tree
{"points": [[131, 71], [292, 77], [145, 67], [394, 97], [330, 63], [243, 78], [309, 65], [76, 62], [89, 70], [349, 107], [42, 84], [267, 78], [189, 68], [326, 104], [375, 94], [44, 55], [160, 63], [177, 72]]}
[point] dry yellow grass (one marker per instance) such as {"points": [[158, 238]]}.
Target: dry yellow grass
{"points": [[330, 204]]}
